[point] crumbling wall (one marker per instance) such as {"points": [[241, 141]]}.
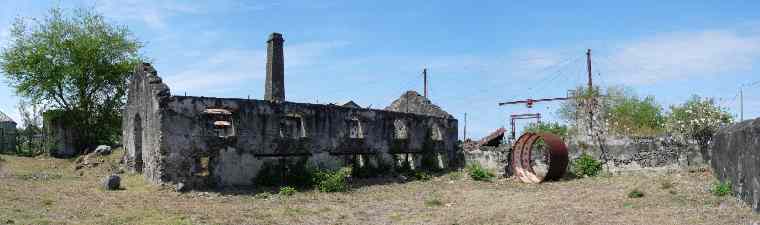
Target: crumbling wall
{"points": [[495, 159], [265, 132], [142, 125], [235, 142], [625, 153], [736, 158], [413, 102], [8, 135]]}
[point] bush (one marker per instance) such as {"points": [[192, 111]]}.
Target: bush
{"points": [[635, 193], [586, 165], [332, 181], [721, 188], [422, 175], [477, 172], [287, 191]]}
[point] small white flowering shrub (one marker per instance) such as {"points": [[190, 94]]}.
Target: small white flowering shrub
{"points": [[697, 119]]}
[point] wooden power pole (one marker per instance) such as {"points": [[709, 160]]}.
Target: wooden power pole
{"points": [[424, 80]]}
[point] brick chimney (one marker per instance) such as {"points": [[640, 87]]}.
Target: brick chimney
{"points": [[275, 84]]}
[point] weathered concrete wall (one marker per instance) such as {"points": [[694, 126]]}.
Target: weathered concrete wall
{"points": [[8, 136], [142, 127], [492, 158], [179, 140], [637, 153], [736, 158]]}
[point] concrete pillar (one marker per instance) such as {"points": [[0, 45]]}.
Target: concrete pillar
{"points": [[275, 83]]}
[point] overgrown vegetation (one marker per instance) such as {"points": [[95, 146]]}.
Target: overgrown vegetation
{"points": [[287, 191], [721, 188], [635, 193], [477, 172], [619, 111], [551, 127], [332, 181], [77, 64], [586, 165], [697, 119]]}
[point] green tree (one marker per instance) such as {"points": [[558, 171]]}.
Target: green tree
{"points": [[697, 119], [618, 111], [631, 115], [76, 63], [551, 127]]}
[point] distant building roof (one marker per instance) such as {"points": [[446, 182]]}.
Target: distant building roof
{"points": [[5, 118], [351, 104], [413, 102]]}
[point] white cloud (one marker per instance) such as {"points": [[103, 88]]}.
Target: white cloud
{"points": [[153, 13], [683, 55], [235, 68]]}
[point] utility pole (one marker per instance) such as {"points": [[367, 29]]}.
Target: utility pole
{"points": [[741, 104], [588, 66], [465, 127], [424, 78], [591, 99]]}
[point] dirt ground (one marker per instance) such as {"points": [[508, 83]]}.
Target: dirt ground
{"points": [[51, 191]]}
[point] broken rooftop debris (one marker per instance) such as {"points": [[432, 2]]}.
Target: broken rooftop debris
{"points": [[206, 141]]}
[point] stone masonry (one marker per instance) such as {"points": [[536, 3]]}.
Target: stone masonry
{"points": [[206, 141], [735, 158]]}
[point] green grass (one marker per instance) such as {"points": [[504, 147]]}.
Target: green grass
{"points": [[287, 191], [721, 188], [635, 193], [477, 172]]}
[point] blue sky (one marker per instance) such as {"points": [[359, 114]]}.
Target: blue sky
{"points": [[477, 54]]}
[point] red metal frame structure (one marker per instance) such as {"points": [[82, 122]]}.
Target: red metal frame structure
{"points": [[529, 102], [524, 116]]}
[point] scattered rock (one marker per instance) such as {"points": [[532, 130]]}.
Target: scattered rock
{"points": [[102, 150], [112, 182], [181, 187]]}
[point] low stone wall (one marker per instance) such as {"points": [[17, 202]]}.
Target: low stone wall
{"points": [[494, 159], [736, 158], [638, 153]]}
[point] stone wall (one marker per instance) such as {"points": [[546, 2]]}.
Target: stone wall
{"points": [[492, 158], [736, 158], [627, 153], [8, 137], [234, 142]]}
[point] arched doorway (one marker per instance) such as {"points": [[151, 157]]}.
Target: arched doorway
{"points": [[137, 136]]}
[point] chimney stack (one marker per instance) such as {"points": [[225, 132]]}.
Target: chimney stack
{"points": [[275, 84]]}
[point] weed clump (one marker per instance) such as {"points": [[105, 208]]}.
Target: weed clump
{"points": [[332, 181], [477, 172], [422, 175], [287, 191], [433, 202], [721, 188], [586, 165], [635, 193]]}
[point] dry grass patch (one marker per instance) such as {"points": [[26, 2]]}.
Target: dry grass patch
{"points": [[61, 195]]}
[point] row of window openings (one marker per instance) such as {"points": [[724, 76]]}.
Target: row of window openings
{"points": [[293, 128]]}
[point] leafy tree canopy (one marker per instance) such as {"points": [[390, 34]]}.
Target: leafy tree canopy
{"points": [[550, 127], [77, 64]]}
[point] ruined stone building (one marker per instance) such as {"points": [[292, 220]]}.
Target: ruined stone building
{"points": [[8, 134], [240, 142]]}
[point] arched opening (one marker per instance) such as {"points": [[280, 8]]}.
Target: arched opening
{"points": [[137, 135]]}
